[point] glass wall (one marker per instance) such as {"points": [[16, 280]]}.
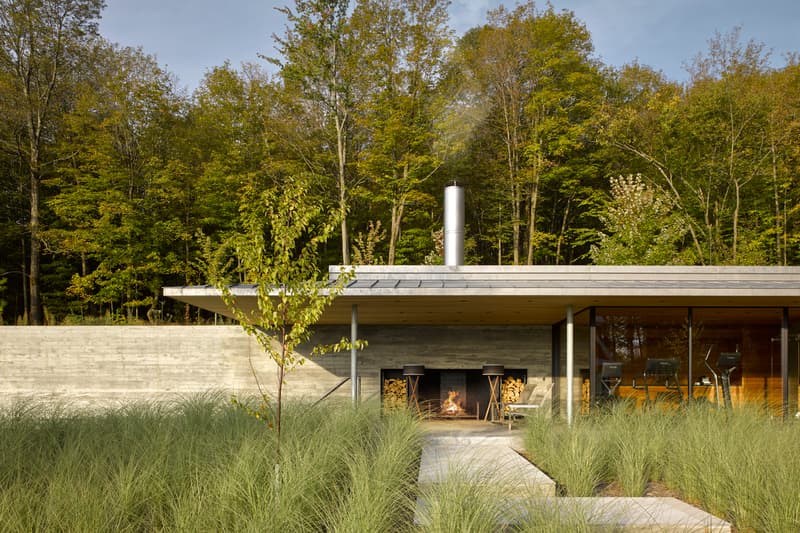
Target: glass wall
{"points": [[794, 362], [649, 347], [755, 335], [647, 342]]}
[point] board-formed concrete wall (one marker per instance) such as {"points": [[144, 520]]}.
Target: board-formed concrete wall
{"points": [[88, 365], [108, 365]]}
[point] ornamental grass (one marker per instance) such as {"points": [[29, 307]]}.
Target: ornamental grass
{"points": [[741, 465], [203, 464]]}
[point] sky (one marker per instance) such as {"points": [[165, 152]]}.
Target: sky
{"points": [[189, 37]]}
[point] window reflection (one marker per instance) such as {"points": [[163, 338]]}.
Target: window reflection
{"points": [[755, 334], [632, 336]]}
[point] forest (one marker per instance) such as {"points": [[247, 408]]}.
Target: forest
{"points": [[114, 182]]}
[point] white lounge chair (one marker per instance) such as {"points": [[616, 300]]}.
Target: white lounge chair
{"points": [[533, 397]]}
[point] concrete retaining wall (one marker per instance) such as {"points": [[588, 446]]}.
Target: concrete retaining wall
{"points": [[107, 365]]}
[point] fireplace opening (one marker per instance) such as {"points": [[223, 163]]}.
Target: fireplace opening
{"points": [[444, 393]]}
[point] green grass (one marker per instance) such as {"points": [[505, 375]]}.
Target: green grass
{"points": [[741, 465], [205, 465]]}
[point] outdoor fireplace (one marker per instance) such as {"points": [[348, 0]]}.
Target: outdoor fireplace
{"points": [[445, 393], [453, 400]]}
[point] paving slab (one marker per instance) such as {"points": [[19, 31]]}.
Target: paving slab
{"points": [[480, 453], [643, 514], [486, 454]]}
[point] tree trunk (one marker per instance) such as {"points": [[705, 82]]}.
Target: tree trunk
{"points": [[394, 233], [736, 210], [35, 316], [26, 310], [341, 153], [499, 234], [563, 230], [510, 117], [516, 199], [779, 257], [532, 214], [515, 224]]}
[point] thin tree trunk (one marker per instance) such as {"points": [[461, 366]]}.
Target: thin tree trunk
{"points": [[736, 209], [398, 206], [532, 214], [26, 310], [341, 152], [563, 231], [35, 316], [776, 199], [499, 234], [736, 185], [278, 413], [510, 117], [785, 232]]}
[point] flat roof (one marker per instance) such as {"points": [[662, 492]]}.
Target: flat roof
{"points": [[533, 295]]}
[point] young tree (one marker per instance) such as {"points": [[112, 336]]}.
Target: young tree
{"points": [[283, 227]]}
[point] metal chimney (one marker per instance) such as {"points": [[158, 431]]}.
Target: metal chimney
{"points": [[453, 225]]}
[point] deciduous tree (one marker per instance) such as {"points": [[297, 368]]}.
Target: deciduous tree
{"points": [[404, 43], [318, 67], [283, 227], [41, 44]]}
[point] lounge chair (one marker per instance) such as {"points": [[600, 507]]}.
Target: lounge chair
{"points": [[533, 398]]}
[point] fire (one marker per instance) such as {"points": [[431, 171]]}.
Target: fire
{"points": [[452, 405]]}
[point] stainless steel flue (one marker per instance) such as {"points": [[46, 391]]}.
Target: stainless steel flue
{"points": [[453, 225]]}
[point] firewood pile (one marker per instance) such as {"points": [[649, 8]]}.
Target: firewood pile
{"points": [[394, 394], [510, 391]]}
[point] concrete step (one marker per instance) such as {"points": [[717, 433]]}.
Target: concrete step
{"points": [[491, 461], [487, 458], [645, 514]]}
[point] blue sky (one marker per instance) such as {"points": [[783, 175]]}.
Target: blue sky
{"points": [[190, 36]]}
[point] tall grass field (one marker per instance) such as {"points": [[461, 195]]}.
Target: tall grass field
{"points": [[205, 465], [741, 465]]}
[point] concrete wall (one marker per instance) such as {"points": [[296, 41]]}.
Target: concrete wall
{"points": [[89, 365], [106, 365]]}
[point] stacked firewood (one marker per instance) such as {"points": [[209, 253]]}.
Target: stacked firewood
{"points": [[510, 391], [585, 397], [394, 393]]}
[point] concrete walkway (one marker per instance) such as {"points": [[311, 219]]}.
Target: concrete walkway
{"points": [[485, 454]]}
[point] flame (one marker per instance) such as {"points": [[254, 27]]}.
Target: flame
{"points": [[452, 405]]}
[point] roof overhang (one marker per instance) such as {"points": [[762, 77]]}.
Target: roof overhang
{"points": [[532, 295]]}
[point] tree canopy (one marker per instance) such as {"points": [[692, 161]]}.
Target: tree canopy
{"points": [[114, 183]]}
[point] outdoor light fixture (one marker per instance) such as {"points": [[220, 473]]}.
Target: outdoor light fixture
{"points": [[493, 373], [493, 370], [412, 373]]}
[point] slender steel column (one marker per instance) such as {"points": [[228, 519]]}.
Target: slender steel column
{"points": [[785, 362], [570, 361], [354, 353], [690, 375], [555, 371], [592, 356]]}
